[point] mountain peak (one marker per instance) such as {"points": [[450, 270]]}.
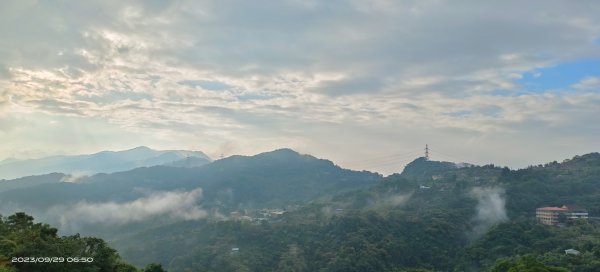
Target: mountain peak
{"points": [[141, 147], [278, 153], [423, 168], [286, 150], [139, 150]]}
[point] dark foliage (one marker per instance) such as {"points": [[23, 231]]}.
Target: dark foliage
{"points": [[33, 247], [404, 223]]}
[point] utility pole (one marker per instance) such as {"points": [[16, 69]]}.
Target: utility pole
{"points": [[426, 152]]}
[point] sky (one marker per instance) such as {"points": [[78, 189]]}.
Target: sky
{"points": [[365, 84]]}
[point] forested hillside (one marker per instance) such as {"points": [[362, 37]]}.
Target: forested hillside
{"points": [[475, 218], [113, 205], [282, 211], [36, 247]]}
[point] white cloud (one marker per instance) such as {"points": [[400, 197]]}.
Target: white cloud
{"points": [[171, 204], [341, 79], [74, 177], [588, 83], [491, 209]]}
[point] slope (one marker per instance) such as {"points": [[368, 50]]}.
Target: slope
{"points": [[269, 180], [463, 220]]}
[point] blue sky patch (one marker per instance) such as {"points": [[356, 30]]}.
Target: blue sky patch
{"points": [[560, 76]]}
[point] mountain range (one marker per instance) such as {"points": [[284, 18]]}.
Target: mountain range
{"points": [[101, 162], [268, 180], [433, 216], [286, 211]]}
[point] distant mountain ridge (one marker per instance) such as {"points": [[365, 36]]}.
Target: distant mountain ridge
{"points": [[335, 219], [271, 179], [101, 162], [30, 181]]}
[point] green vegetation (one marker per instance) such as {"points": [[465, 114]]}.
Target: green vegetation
{"points": [[31, 247], [524, 264], [547, 244], [421, 168], [432, 217], [272, 179], [398, 225]]}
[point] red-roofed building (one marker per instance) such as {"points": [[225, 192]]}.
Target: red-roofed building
{"points": [[550, 215]]}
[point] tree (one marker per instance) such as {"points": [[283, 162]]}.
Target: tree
{"points": [[19, 220], [22, 238], [292, 261], [153, 267], [124, 267], [525, 264]]}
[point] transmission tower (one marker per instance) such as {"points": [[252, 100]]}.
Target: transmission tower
{"points": [[426, 152]]}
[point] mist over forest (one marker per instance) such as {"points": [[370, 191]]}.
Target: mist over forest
{"points": [[299, 135], [286, 211]]}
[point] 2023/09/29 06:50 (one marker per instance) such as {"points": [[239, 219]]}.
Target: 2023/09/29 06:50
{"points": [[52, 259]]}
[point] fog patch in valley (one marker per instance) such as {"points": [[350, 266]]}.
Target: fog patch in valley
{"points": [[75, 177], [490, 207], [378, 201], [181, 205], [388, 200]]}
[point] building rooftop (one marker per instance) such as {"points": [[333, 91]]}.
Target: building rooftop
{"points": [[552, 209], [573, 208], [572, 251]]}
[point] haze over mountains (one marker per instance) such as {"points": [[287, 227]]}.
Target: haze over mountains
{"points": [[432, 217], [271, 179], [189, 217], [101, 162]]}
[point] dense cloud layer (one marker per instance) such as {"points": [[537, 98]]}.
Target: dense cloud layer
{"points": [[339, 79]]}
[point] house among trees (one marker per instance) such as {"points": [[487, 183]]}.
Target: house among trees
{"points": [[572, 252], [556, 215]]}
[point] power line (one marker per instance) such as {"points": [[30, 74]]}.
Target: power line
{"points": [[440, 154], [392, 156], [382, 163], [400, 160], [385, 159]]}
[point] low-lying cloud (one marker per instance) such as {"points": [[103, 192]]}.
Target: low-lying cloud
{"points": [[490, 209], [379, 201], [74, 177], [391, 200], [172, 204]]}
